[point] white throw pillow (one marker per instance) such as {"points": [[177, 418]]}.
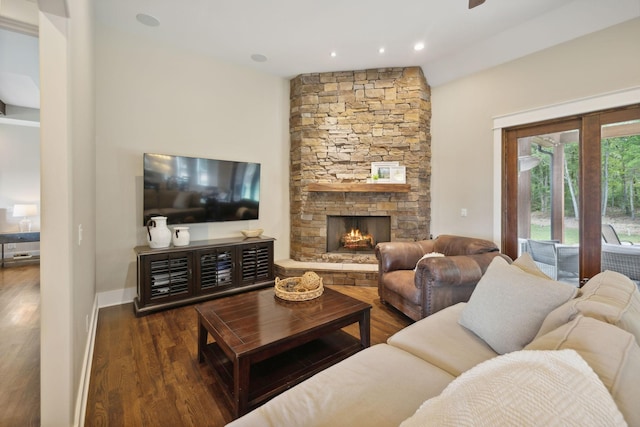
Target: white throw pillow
{"points": [[524, 388], [611, 352], [429, 255], [508, 305]]}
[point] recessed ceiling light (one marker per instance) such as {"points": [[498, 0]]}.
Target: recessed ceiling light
{"points": [[333, 54], [147, 20], [381, 50], [418, 46], [258, 57]]}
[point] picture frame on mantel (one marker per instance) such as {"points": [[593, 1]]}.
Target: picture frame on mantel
{"points": [[382, 170], [398, 174]]}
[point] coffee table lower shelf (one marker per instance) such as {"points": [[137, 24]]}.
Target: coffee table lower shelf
{"points": [[274, 375]]}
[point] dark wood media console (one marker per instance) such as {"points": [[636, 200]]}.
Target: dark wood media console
{"points": [[205, 269]]}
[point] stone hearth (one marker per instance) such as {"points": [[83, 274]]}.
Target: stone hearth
{"points": [[340, 123]]}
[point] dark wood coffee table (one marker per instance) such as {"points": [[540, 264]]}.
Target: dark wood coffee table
{"points": [[263, 345]]}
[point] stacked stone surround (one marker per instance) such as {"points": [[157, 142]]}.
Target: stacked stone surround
{"points": [[341, 122]]}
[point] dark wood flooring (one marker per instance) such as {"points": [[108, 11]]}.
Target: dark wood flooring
{"points": [[145, 371], [20, 345]]}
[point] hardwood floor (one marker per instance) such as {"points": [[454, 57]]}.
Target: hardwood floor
{"points": [[20, 345], [145, 371]]}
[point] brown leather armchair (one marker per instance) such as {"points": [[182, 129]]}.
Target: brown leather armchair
{"points": [[437, 282]]}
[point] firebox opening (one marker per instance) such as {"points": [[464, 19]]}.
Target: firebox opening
{"points": [[357, 234]]}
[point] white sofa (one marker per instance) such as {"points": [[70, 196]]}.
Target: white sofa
{"points": [[550, 355]]}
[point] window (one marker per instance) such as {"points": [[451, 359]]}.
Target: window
{"points": [[563, 179]]}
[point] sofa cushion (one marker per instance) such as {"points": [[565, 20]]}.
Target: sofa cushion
{"points": [[610, 351], [621, 296], [382, 385], [402, 282], [441, 341], [523, 388], [509, 305], [608, 296]]}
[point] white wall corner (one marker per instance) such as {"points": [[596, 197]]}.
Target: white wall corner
{"points": [[116, 297]]}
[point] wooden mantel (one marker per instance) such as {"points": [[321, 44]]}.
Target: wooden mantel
{"points": [[358, 187]]}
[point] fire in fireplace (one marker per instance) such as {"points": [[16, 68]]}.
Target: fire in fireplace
{"points": [[356, 233], [355, 240]]}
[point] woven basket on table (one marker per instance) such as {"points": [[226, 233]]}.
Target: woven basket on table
{"points": [[304, 288]]}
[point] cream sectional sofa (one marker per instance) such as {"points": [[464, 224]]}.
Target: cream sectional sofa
{"points": [[550, 354]]}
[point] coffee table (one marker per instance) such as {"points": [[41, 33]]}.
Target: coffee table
{"points": [[262, 345]]}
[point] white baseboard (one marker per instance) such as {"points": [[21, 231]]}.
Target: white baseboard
{"points": [[85, 375]]}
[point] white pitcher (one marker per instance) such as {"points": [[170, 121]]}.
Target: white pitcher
{"points": [[180, 236], [158, 234]]}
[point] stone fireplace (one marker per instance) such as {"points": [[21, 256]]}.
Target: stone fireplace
{"points": [[341, 122]]}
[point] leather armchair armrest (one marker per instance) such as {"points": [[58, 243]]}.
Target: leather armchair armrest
{"points": [[401, 255], [446, 281], [453, 270]]}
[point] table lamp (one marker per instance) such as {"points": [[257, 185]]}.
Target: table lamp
{"points": [[25, 211]]}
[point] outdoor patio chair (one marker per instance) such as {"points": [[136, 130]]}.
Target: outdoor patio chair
{"points": [[568, 262], [610, 236], [623, 259], [558, 261], [543, 253]]}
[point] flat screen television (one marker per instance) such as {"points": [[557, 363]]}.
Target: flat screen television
{"points": [[196, 190]]}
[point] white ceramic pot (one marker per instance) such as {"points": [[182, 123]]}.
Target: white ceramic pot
{"points": [[158, 234], [180, 236]]}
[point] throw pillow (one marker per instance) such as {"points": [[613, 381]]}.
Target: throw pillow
{"points": [[429, 255], [611, 352], [524, 388], [621, 296], [608, 296], [508, 305], [526, 263]]}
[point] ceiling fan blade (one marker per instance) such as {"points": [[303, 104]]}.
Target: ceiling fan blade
{"points": [[474, 3]]}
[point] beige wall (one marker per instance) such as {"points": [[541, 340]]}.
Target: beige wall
{"points": [[154, 98], [463, 113]]}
